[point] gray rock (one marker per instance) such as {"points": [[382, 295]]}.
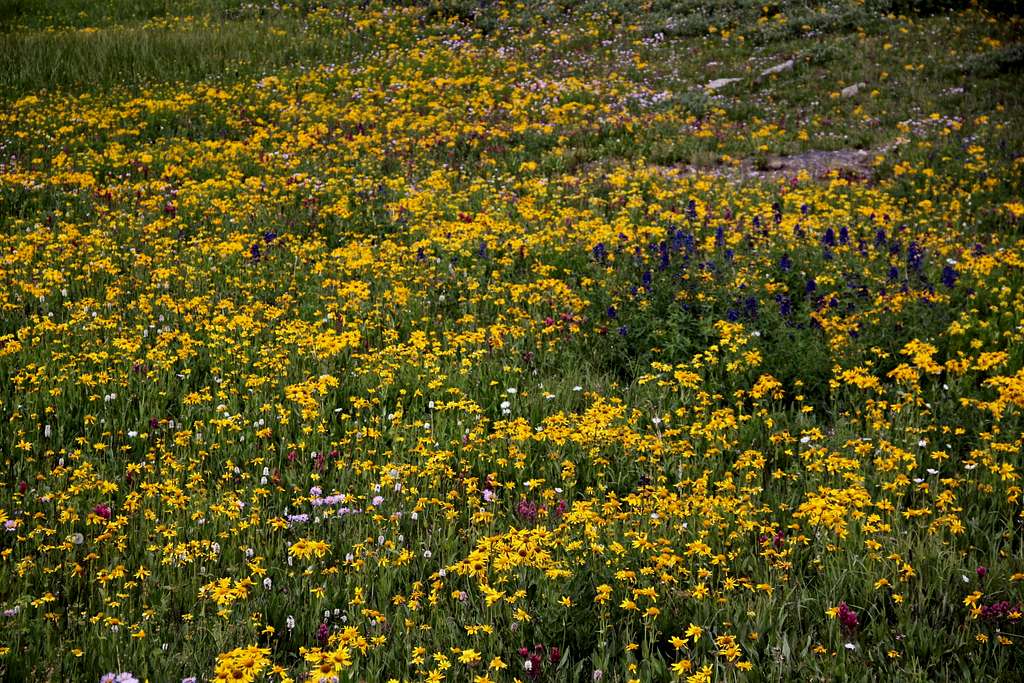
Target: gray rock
{"points": [[720, 83], [779, 68], [851, 90]]}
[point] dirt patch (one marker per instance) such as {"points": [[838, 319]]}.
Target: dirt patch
{"points": [[850, 164]]}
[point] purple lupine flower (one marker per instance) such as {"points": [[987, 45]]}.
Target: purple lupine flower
{"points": [[785, 305], [949, 276], [750, 307], [915, 256]]}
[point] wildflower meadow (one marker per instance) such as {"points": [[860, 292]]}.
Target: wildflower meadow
{"points": [[560, 340]]}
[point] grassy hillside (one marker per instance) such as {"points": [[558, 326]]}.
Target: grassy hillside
{"points": [[494, 341]]}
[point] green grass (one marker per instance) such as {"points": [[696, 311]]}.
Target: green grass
{"points": [[85, 60], [32, 14]]}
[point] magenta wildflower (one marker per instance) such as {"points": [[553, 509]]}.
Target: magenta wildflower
{"points": [[527, 510], [848, 619]]}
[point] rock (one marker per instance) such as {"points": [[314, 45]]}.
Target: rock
{"points": [[720, 83], [851, 90], [779, 68]]}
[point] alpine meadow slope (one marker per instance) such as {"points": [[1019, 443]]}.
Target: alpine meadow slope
{"points": [[567, 340]]}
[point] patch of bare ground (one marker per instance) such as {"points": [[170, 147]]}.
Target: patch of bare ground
{"points": [[855, 165]]}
